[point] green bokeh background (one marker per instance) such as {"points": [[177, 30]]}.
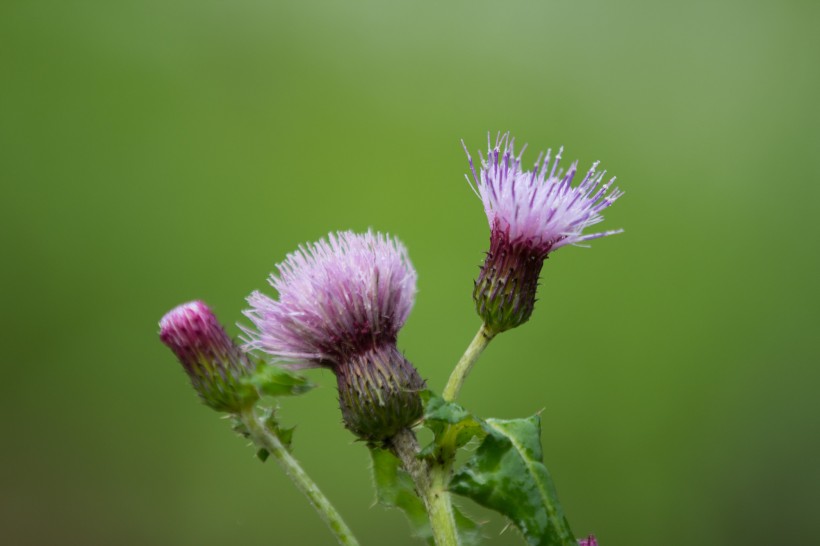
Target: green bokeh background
{"points": [[154, 152]]}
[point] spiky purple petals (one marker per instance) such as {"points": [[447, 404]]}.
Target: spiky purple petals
{"points": [[540, 208], [531, 213], [337, 297], [209, 356], [342, 301], [589, 541]]}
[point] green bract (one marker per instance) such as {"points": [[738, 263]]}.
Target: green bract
{"points": [[274, 381]]}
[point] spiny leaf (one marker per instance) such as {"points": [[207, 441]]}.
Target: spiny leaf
{"points": [[469, 530], [395, 489], [507, 474], [285, 434]]}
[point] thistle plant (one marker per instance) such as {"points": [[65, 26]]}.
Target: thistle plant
{"points": [[340, 303]]}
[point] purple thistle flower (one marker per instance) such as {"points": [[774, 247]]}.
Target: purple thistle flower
{"points": [[342, 301], [531, 213], [589, 541], [540, 207], [209, 356]]}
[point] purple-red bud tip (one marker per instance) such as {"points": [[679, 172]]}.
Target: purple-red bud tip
{"points": [[210, 357], [191, 329]]}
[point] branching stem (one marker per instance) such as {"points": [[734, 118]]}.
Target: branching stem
{"points": [[432, 476], [431, 483]]}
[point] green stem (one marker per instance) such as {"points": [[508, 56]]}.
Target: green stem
{"points": [[431, 479], [431, 484], [474, 350], [440, 508], [264, 437]]}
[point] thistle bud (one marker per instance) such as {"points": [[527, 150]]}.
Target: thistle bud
{"points": [[341, 304], [209, 356], [531, 213]]}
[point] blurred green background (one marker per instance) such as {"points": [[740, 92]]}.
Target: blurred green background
{"points": [[156, 152]]}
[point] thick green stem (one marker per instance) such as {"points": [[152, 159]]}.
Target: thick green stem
{"points": [[431, 484], [440, 508], [263, 437], [474, 350]]}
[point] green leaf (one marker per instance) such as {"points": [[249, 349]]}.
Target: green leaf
{"points": [[452, 425], [395, 489], [275, 381], [507, 474], [468, 529]]}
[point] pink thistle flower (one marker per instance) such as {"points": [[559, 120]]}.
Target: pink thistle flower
{"points": [[589, 541], [209, 356], [531, 213], [342, 301]]}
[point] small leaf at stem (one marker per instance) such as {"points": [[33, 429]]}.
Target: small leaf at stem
{"points": [[448, 417], [286, 435], [507, 474]]}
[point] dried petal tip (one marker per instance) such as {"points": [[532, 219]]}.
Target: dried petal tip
{"points": [[342, 301], [531, 213], [209, 356], [589, 541]]}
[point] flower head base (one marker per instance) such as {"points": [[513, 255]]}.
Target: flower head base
{"points": [[379, 393], [341, 304], [209, 356], [531, 213]]}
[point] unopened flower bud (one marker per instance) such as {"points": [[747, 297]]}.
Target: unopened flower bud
{"points": [[531, 213], [209, 356], [341, 304]]}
